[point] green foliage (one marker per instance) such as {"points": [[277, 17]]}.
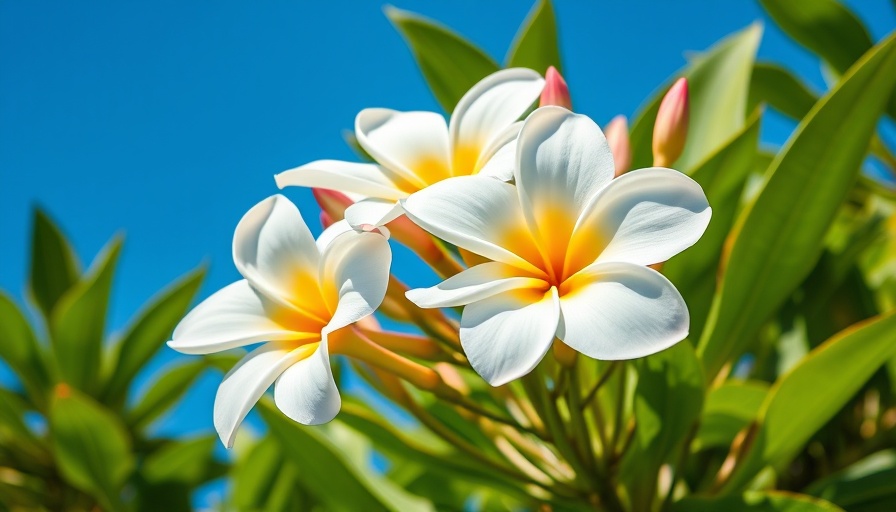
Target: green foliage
{"points": [[535, 46], [56, 270]]}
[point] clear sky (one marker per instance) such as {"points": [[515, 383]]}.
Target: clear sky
{"points": [[167, 120]]}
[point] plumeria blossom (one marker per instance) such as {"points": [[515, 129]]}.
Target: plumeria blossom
{"points": [[414, 150], [569, 247], [295, 295]]}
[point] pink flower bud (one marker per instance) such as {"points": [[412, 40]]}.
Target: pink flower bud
{"points": [[332, 203], [325, 219], [555, 91], [617, 136], [671, 128]]}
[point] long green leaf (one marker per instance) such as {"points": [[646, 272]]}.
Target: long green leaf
{"points": [[20, 350], [535, 45], [79, 322], [781, 90], [190, 461], [718, 84], [91, 446], [170, 387], [866, 486], [729, 409], [450, 64], [264, 479], [15, 434], [340, 481], [149, 332], [756, 501], [54, 266], [809, 392], [780, 235]]}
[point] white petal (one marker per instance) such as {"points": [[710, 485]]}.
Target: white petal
{"points": [[246, 382], [473, 284], [644, 216], [374, 212], [306, 391], [506, 335], [355, 272], [491, 105], [412, 144], [621, 311], [477, 213], [274, 250], [368, 180], [234, 316], [330, 234], [499, 159]]}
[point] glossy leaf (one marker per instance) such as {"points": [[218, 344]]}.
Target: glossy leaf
{"points": [[866, 486], [536, 45], [263, 479], [20, 350], [54, 266], [79, 322], [91, 446], [149, 332], [809, 392], [450, 64], [729, 409], [757, 501], [339, 481], [718, 83], [170, 387], [781, 90], [779, 237]]}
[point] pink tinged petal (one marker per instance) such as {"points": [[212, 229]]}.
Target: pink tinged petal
{"points": [[490, 106], [306, 391], [618, 139], [670, 131], [617, 311], [563, 161], [474, 284], [479, 214], [555, 90], [644, 217], [373, 212], [414, 145], [506, 335], [235, 316], [368, 180], [244, 385], [499, 158], [355, 273]]}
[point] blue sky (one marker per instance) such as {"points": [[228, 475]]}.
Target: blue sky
{"points": [[167, 120]]}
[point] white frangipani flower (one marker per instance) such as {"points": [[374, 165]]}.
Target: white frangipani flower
{"points": [[569, 245], [414, 150], [295, 295]]}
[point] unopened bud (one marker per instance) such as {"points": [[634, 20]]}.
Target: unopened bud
{"points": [[617, 136], [671, 128], [325, 220], [332, 203], [555, 91]]}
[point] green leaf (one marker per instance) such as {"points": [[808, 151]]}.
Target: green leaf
{"points": [[718, 84], [825, 27], [814, 391], [14, 433], [54, 266], [264, 480], [535, 45], [79, 322], [776, 86], [781, 233], [450, 64], [188, 461], [20, 350], [164, 393], [757, 501], [149, 332], [340, 481], [91, 446], [868, 485], [729, 409], [667, 403]]}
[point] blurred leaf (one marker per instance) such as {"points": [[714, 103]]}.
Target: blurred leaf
{"points": [[151, 329], [718, 85], [825, 27], [20, 350], [264, 480], [91, 446], [166, 391], [757, 501], [729, 409], [450, 64], [535, 45], [339, 481], [779, 237], [54, 266], [188, 461], [668, 399], [813, 391], [22, 442], [866, 486], [776, 86], [79, 321]]}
